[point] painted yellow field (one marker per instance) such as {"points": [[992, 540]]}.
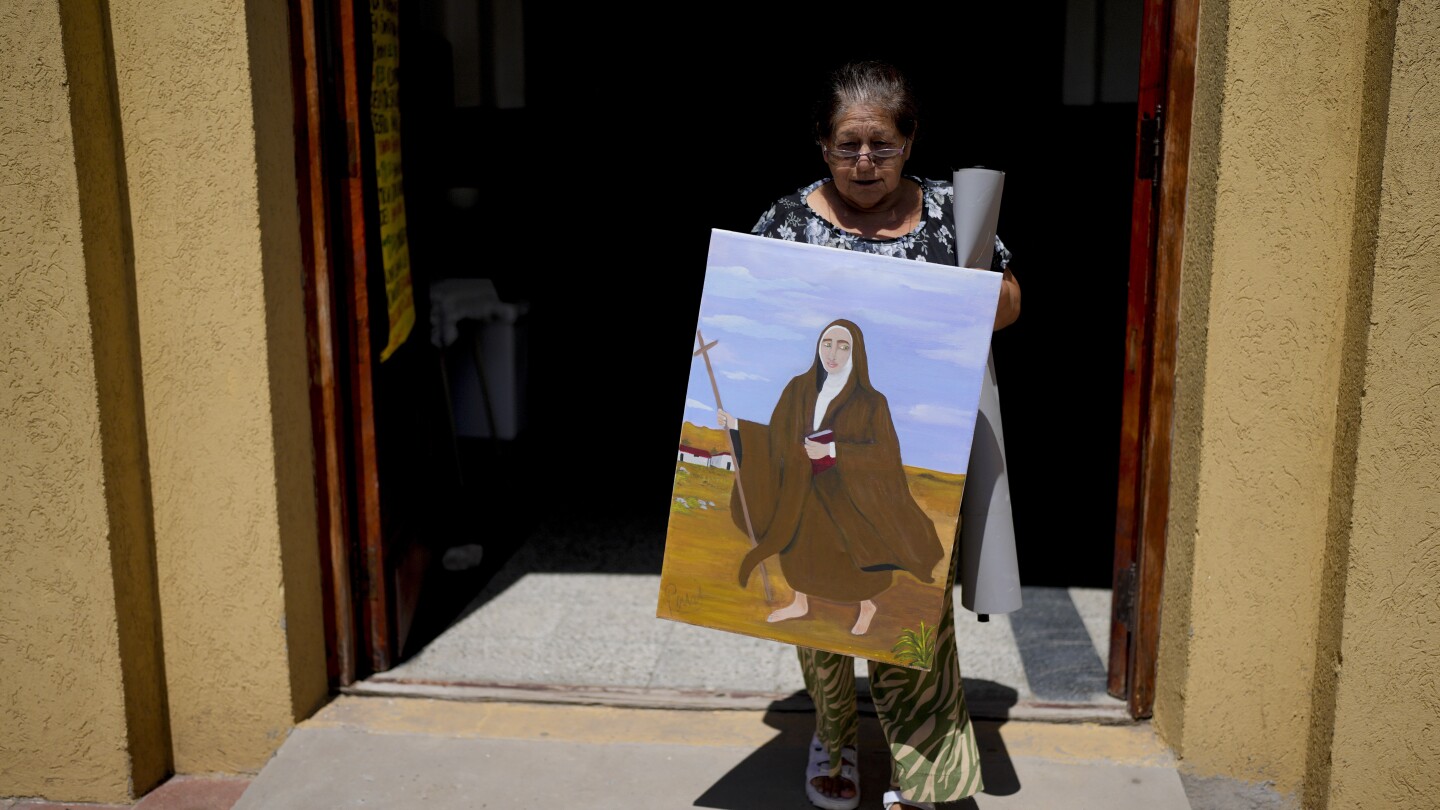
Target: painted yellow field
{"points": [[703, 548], [711, 440]]}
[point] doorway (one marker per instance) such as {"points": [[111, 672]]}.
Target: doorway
{"points": [[579, 167]]}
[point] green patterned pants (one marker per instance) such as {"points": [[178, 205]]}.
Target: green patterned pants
{"points": [[933, 755]]}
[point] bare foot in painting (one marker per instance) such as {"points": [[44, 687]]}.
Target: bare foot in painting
{"points": [[862, 624], [794, 610]]}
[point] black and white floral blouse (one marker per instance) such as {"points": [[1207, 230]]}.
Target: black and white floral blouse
{"points": [[791, 218]]}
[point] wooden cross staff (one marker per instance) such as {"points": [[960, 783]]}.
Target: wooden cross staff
{"points": [[704, 351]]}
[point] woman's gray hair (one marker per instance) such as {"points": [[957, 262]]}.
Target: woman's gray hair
{"points": [[870, 84]]}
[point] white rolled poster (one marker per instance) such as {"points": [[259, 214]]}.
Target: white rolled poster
{"points": [[989, 571]]}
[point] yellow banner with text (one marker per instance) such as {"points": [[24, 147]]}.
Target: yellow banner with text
{"points": [[389, 180]]}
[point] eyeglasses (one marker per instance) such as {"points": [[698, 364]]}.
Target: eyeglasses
{"points": [[877, 156]]}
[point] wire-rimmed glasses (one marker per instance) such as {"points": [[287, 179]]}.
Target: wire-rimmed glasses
{"points": [[877, 156]]}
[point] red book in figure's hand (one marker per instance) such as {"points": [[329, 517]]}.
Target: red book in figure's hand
{"points": [[819, 465]]}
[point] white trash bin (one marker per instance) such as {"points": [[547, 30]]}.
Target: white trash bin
{"points": [[483, 340]]}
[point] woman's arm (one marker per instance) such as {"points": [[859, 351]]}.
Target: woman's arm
{"points": [[1009, 309]]}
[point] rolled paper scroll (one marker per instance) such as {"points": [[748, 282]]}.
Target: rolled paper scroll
{"points": [[977, 212], [989, 570]]}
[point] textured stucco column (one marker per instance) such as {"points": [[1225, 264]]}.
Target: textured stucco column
{"points": [[1386, 736], [1273, 251], [205, 100], [82, 702]]}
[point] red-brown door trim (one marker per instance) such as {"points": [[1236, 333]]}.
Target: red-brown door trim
{"points": [[1155, 483], [1143, 498], [326, 397], [1138, 325], [375, 611]]}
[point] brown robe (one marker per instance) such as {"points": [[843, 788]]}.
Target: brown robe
{"points": [[843, 532]]}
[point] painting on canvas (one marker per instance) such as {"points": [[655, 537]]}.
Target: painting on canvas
{"points": [[822, 451]]}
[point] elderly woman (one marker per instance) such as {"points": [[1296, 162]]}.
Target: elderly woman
{"points": [[866, 126]]}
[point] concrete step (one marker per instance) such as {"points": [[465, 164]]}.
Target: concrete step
{"points": [[369, 751]]}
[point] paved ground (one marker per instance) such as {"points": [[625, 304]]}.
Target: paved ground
{"points": [[680, 716], [372, 752], [380, 752]]}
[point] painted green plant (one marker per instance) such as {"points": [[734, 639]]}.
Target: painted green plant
{"points": [[916, 648]]}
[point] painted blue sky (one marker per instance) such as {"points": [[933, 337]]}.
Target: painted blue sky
{"points": [[927, 334]]}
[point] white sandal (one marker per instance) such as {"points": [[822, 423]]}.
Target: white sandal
{"points": [[894, 799], [820, 766]]}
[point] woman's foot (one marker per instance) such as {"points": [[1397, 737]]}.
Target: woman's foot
{"points": [[862, 624], [838, 792], [794, 610], [834, 787]]}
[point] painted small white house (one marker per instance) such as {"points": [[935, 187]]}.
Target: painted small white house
{"points": [[691, 455], [694, 455]]}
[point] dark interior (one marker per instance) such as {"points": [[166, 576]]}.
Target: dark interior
{"points": [[641, 130]]}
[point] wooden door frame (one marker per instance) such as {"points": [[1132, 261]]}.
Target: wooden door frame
{"points": [[1143, 497], [331, 159], [345, 441], [313, 117], [375, 598]]}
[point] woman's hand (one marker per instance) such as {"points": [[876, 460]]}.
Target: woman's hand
{"points": [[1009, 308], [816, 450], [727, 422]]}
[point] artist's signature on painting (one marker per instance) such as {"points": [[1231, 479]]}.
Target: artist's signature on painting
{"points": [[682, 601]]}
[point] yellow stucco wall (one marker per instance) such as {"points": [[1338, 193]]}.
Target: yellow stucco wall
{"points": [[205, 101], [1266, 298], [83, 698], [154, 411], [1386, 740]]}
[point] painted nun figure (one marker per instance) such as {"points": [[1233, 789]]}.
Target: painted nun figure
{"points": [[825, 487]]}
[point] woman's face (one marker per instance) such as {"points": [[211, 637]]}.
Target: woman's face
{"points": [[834, 349], [864, 185]]}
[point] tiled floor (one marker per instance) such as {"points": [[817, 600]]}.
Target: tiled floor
{"points": [[575, 607]]}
